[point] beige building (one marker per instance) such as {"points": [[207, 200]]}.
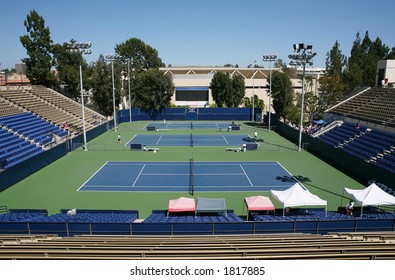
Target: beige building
{"points": [[192, 83]]}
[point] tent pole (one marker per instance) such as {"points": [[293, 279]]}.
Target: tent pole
{"points": [[341, 202], [361, 209]]}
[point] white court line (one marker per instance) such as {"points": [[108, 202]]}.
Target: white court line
{"points": [[291, 175], [145, 126], [254, 140], [130, 140], [157, 142], [227, 143], [93, 175], [248, 178], [134, 183], [199, 174]]}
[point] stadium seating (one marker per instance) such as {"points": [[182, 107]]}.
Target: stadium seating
{"points": [[72, 107], [374, 105], [336, 245], [161, 217], [7, 108], [47, 104], [372, 145], [88, 216], [30, 126], [14, 149], [301, 215], [22, 215]]}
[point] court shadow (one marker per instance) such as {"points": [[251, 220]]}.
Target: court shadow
{"points": [[307, 182], [295, 179], [280, 146], [327, 190], [253, 124], [302, 179], [286, 179], [248, 139]]}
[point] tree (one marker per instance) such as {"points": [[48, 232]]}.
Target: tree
{"points": [[153, 91], [258, 103], [282, 93], [38, 45], [142, 55], [101, 84], [362, 63], [227, 90], [221, 88], [335, 61], [353, 72], [377, 51], [238, 91], [330, 91], [67, 64], [391, 55]]}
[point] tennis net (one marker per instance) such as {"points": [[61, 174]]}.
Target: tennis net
{"points": [[191, 176]]}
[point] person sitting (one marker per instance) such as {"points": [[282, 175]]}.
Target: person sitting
{"points": [[350, 208]]}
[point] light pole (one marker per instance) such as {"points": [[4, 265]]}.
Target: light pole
{"points": [[270, 58], [303, 54], [253, 90], [81, 48], [112, 58], [130, 99]]}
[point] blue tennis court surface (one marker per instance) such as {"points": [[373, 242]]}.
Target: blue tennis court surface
{"points": [[190, 125], [191, 140], [177, 177]]}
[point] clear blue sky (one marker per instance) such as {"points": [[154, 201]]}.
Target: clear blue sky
{"points": [[202, 32]]}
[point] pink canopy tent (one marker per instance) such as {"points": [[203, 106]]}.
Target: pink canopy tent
{"points": [[182, 204], [258, 203]]}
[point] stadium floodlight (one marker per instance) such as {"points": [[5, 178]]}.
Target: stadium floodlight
{"points": [[112, 58], [253, 90], [270, 58], [82, 48], [303, 55]]}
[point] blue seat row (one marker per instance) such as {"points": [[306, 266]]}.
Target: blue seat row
{"points": [[191, 218], [87, 218], [33, 127]]}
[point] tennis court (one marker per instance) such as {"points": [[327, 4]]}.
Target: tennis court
{"points": [[190, 125], [191, 140], [181, 176]]}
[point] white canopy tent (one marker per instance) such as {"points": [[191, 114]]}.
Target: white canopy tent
{"points": [[371, 195], [297, 196]]}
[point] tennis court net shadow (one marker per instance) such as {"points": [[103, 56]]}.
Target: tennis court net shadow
{"points": [[277, 147]]}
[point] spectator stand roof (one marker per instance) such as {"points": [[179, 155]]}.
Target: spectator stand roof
{"points": [[211, 205], [182, 204], [258, 203]]}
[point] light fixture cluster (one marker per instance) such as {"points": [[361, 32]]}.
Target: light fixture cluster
{"points": [[113, 57], [303, 54], [269, 57], [79, 47]]}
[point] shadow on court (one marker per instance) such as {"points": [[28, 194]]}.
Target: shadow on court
{"points": [[280, 146]]}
